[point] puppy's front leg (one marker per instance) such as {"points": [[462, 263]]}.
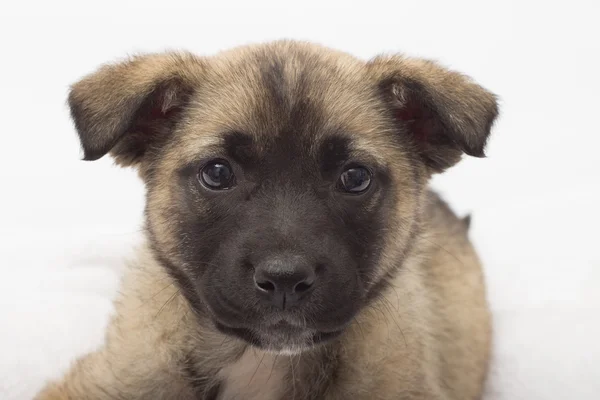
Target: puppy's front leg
{"points": [[99, 376], [398, 390], [146, 344]]}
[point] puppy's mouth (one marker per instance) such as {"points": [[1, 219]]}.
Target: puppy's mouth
{"points": [[280, 332], [281, 337]]}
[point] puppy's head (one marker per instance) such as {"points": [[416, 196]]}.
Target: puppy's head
{"points": [[284, 181]]}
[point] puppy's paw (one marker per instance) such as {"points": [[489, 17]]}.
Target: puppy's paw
{"points": [[53, 392]]}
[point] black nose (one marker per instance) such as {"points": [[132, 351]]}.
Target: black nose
{"points": [[284, 280]]}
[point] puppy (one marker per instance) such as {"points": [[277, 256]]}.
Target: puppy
{"points": [[293, 250]]}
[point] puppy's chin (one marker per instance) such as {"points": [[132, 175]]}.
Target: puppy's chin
{"points": [[281, 338]]}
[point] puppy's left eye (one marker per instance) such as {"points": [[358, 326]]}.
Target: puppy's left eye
{"points": [[355, 180], [217, 175]]}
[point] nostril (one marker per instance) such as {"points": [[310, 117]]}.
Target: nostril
{"points": [[265, 286], [302, 287]]}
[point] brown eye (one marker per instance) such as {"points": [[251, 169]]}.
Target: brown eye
{"points": [[217, 175], [355, 180]]}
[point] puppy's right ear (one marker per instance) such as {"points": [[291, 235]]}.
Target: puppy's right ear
{"points": [[131, 107]]}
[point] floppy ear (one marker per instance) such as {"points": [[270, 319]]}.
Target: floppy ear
{"points": [[445, 113], [129, 108]]}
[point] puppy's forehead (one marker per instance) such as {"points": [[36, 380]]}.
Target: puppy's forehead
{"points": [[286, 91]]}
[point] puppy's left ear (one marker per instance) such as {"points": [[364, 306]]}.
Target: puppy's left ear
{"points": [[444, 113]]}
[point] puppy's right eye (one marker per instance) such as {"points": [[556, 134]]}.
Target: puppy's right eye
{"points": [[217, 175], [355, 180]]}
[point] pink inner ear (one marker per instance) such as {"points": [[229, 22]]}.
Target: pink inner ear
{"points": [[166, 103], [418, 122], [159, 112], [162, 110]]}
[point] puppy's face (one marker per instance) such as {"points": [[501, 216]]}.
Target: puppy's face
{"points": [[283, 180]]}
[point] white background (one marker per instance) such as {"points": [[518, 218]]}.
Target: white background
{"points": [[65, 224]]}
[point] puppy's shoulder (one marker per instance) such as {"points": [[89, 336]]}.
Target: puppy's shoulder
{"points": [[441, 219]]}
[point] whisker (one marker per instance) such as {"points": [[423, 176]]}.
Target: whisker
{"points": [[293, 379], [225, 339], [272, 367], [359, 327], [388, 306], [156, 294], [257, 367], [167, 302]]}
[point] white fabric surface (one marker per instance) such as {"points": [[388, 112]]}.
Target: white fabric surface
{"points": [[546, 347], [65, 225]]}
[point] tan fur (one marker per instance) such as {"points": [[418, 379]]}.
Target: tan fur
{"points": [[426, 337]]}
